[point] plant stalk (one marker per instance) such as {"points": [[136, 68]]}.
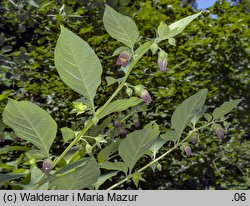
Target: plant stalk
{"points": [[145, 48], [160, 157]]}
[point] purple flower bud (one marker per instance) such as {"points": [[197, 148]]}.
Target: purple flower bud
{"points": [[117, 123], [124, 58], [2, 140], [220, 133], [137, 123], [146, 97], [143, 93], [188, 150], [47, 166], [162, 61]]}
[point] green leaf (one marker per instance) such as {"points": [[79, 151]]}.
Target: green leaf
{"points": [[137, 143], [67, 134], [225, 108], [105, 153], [120, 27], [120, 166], [171, 41], [31, 123], [34, 153], [186, 110], [4, 95], [7, 148], [94, 131], [2, 126], [35, 175], [120, 50], [208, 117], [76, 175], [163, 31], [110, 80], [77, 64], [118, 106], [11, 176], [169, 135], [180, 25], [103, 179], [157, 145], [197, 115]]}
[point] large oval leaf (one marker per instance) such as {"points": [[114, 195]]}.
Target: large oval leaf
{"points": [[77, 64], [186, 110], [31, 123], [77, 175], [137, 143], [120, 27]]}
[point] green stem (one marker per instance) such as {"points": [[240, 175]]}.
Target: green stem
{"points": [[141, 51], [160, 157], [90, 123], [145, 48], [78, 137]]}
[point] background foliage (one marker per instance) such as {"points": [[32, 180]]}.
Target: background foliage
{"points": [[212, 53]]}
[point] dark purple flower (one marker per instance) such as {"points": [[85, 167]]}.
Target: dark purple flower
{"points": [[188, 150], [146, 97], [220, 133], [143, 93], [47, 166], [117, 123], [162, 61], [124, 58], [2, 140]]}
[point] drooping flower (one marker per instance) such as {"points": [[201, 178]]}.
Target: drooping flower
{"points": [[137, 123], [117, 123], [162, 60], [143, 93], [187, 150], [2, 139], [146, 97], [47, 166], [124, 59], [220, 133]]}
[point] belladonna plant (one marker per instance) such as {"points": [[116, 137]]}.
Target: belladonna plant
{"points": [[103, 144]]}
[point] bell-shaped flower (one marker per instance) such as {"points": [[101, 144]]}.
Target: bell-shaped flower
{"points": [[47, 166], [187, 150], [117, 123], [220, 133], [124, 58], [143, 93], [162, 60]]}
